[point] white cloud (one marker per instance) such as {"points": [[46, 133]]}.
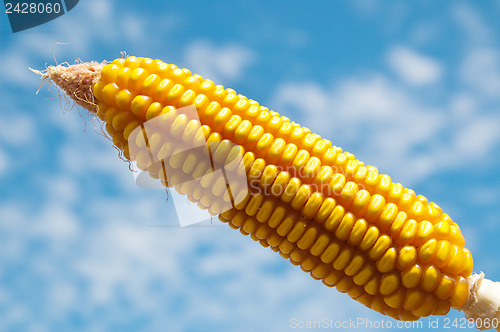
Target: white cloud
{"points": [[292, 94], [17, 130], [63, 295], [472, 24], [480, 70], [57, 221], [14, 314], [218, 62], [70, 119], [61, 188], [297, 38], [133, 28], [15, 70], [54, 221], [425, 32], [100, 10], [389, 126], [414, 68], [96, 155], [367, 6], [480, 67], [484, 196], [478, 138], [4, 161], [463, 105], [372, 115]]}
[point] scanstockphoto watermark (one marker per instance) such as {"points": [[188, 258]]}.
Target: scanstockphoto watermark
{"points": [[353, 323], [214, 173], [444, 323]]}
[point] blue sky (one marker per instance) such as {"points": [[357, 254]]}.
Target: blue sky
{"points": [[413, 89]]}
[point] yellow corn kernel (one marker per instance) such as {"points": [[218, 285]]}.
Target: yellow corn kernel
{"points": [[375, 207], [335, 217], [395, 300], [349, 193], [307, 240], [364, 275], [344, 285], [443, 251], [291, 189], [330, 253], [360, 202], [389, 283], [442, 307], [123, 100], [108, 73], [333, 277], [427, 251], [320, 245], [140, 105], [387, 216], [372, 286], [365, 299], [445, 287], [398, 224], [325, 209], [460, 294], [379, 248], [355, 291], [343, 259], [411, 277], [369, 239], [320, 271], [358, 231], [407, 256], [426, 308], [301, 197], [345, 226], [354, 265], [467, 263], [388, 261], [414, 297], [408, 232], [296, 232], [136, 78], [424, 230]]}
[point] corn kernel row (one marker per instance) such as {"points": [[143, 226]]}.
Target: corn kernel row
{"points": [[386, 247], [349, 192], [403, 230], [171, 85], [272, 215]]}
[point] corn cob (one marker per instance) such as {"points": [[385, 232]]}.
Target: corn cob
{"points": [[341, 221]]}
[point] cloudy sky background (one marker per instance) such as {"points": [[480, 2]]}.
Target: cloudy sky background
{"points": [[413, 89]]}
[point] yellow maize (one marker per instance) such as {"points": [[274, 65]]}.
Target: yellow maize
{"points": [[318, 206]]}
